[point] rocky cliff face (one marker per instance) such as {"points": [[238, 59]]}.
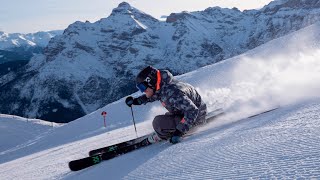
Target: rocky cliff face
{"points": [[93, 64]]}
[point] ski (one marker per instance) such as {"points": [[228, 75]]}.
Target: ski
{"points": [[115, 150], [110, 148], [117, 146], [83, 163]]}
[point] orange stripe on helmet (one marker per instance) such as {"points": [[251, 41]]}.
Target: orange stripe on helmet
{"points": [[158, 80]]}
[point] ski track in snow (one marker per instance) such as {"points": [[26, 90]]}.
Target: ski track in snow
{"points": [[21, 132], [274, 145]]}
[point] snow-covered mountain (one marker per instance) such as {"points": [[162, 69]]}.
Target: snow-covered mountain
{"points": [[281, 144], [10, 41], [17, 46], [93, 64]]}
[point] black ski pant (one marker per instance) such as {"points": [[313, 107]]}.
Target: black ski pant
{"points": [[165, 125]]}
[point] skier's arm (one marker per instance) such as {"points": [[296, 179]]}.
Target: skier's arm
{"points": [[138, 101], [142, 100]]}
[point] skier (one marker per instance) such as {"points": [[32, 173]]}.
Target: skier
{"points": [[184, 104]]}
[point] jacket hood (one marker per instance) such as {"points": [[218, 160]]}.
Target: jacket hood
{"points": [[166, 78]]}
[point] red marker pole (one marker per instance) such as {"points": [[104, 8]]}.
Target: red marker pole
{"points": [[104, 114]]}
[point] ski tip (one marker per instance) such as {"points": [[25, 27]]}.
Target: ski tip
{"points": [[73, 166], [80, 164]]}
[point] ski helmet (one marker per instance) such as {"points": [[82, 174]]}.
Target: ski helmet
{"points": [[148, 77]]}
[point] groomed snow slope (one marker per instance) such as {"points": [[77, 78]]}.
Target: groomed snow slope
{"points": [[279, 144], [283, 143], [17, 132]]}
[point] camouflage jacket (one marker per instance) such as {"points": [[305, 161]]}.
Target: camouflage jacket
{"points": [[178, 98]]}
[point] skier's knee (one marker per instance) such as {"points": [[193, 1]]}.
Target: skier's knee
{"points": [[156, 122]]}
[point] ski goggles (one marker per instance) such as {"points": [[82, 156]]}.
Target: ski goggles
{"points": [[142, 87]]}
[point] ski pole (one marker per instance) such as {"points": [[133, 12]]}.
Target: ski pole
{"points": [[134, 123]]}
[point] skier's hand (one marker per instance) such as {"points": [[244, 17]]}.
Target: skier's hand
{"points": [[129, 101], [133, 101], [181, 129], [176, 137]]}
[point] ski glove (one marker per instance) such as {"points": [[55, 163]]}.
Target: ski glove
{"points": [[181, 129], [176, 137], [132, 101]]}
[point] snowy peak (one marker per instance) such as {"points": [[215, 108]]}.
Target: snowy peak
{"points": [[173, 17], [123, 7], [120, 10], [21, 47], [16, 40], [125, 10]]}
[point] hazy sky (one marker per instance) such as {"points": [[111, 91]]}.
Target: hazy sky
{"points": [[41, 15]]}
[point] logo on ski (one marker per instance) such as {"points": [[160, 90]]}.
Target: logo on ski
{"points": [[96, 159]]}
